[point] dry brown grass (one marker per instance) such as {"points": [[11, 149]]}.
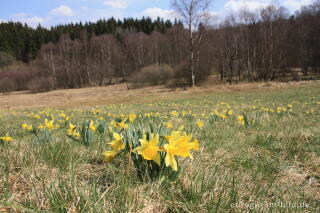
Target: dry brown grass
{"points": [[120, 94]]}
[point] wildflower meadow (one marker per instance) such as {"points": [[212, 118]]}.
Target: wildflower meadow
{"points": [[205, 153]]}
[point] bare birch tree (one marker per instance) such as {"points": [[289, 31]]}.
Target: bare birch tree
{"points": [[192, 13]]}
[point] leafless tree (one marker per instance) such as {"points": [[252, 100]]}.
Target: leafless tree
{"points": [[193, 13]]}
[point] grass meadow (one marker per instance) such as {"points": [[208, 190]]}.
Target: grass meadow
{"points": [[257, 152]]}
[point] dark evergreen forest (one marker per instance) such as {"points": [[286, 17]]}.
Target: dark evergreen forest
{"points": [[23, 42]]}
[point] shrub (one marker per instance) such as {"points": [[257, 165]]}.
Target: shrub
{"points": [[7, 85], [14, 78], [181, 71], [182, 74], [41, 84], [151, 75]]}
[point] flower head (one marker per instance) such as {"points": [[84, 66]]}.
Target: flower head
{"points": [[73, 131], [122, 125], [108, 156], [149, 149], [132, 117], [200, 124], [117, 144], [92, 126], [26, 126], [179, 144], [48, 124], [6, 139], [241, 119], [168, 125]]}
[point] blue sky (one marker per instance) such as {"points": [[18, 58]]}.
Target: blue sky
{"points": [[52, 12]]}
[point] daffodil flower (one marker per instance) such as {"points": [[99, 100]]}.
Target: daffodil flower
{"points": [[200, 124], [26, 127], [179, 145], [48, 124], [73, 131], [241, 119], [6, 139], [149, 149], [92, 126], [117, 144], [108, 156]]}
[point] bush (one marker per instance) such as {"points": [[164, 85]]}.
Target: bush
{"points": [[15, 77], [181, 76], [7, 85], [151, 76], [41, 84], [181, 71]]}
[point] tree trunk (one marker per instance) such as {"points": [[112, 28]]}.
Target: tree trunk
{"points": [[192, 75]]}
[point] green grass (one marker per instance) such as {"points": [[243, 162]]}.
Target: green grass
{"points": [[274, 159]]}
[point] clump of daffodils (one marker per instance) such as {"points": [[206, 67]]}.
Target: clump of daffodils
{"points": [[72, 131], [153, 154], [5, 139], [241, 120], [26, 127], [48, 125]]}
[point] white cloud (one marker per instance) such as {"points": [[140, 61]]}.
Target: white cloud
{"points": [[234, 5], [32, 21], [252, 5], [294, 5], [62, 10], [158, 12], [117, 4]]}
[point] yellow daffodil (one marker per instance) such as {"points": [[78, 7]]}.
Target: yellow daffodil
{"points": [[92, 126], [168, 125], [122, 125], [36, 116], [6, 139], [117, 144], [149, 149], [108, 156], [174, 113], [241, 119], [132, 117], [179, 145], [48, 124], [73, 131], [40, 126], [200, 124], [26, 127]]}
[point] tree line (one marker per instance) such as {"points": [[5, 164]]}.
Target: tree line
{"points": [[23, 42], [267, 44]]}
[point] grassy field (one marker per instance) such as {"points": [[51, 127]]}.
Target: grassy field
{"points": [[259, 151]]}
